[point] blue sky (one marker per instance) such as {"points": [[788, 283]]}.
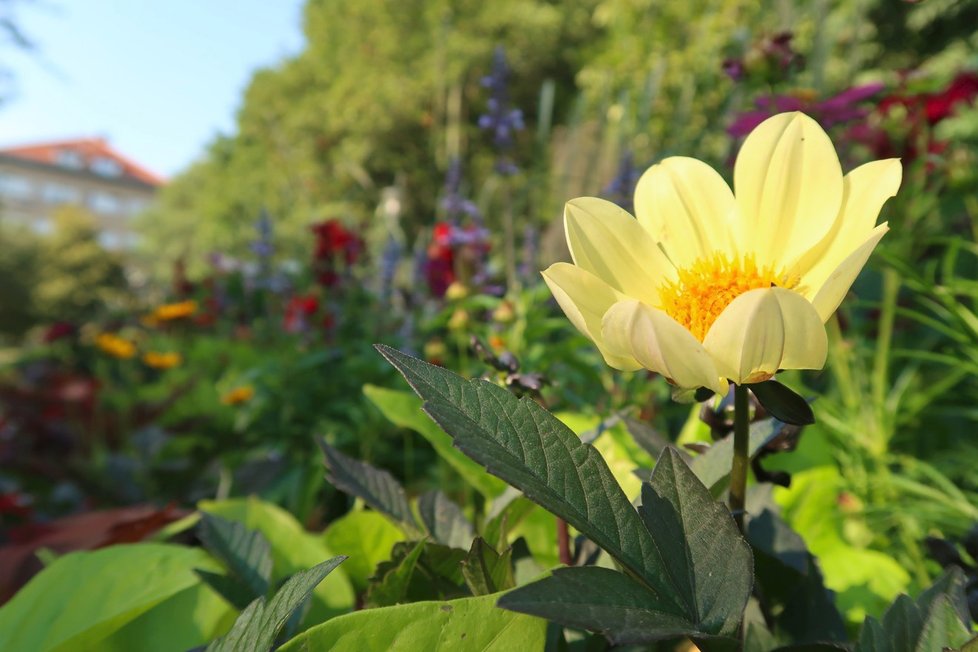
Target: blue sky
{"points": [[158, 79]]}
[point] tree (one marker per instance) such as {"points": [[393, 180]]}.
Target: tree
{"points": [[384, 93], [77, 278]]}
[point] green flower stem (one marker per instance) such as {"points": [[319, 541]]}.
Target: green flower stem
{"points": [[741, 454]]}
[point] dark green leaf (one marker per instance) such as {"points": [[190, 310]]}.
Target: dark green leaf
{"points": [[791, 583], [435, 574], [228, 587], [710, 566], [713, 466], [600, 599], [486, 571], [943, 627], [952, 585], [375, 487], [259, 624], [391, 586], [246, 553], [933, 622], [444, 520], [782, 403], [520, 442], [709, 573]]}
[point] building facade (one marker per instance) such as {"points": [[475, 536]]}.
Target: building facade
{"points": [[37, 180]]}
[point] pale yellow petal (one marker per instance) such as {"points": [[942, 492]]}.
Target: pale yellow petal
{"points": [[833, 290], [611, 244], [788, 184], [764, 330], [584, 298], [806, 343], [866, 190], [659, 343], [688, 207]]}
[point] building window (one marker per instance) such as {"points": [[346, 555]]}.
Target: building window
{"points": [[57, 193], [103, 202], [106, 167], [15, 187], [137, 206], [69, 158]]}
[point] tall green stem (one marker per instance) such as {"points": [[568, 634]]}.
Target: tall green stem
{"points": [[741, 454]]}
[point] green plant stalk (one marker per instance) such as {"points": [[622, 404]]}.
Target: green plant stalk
{"points": [[891, 288], [741, 454]]}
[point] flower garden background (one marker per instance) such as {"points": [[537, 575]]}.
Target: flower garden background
{"points": [[402, 181]]}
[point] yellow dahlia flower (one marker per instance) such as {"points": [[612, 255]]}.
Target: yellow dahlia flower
{"points": [[238, 395], [115, 346], [708, 284], [158, 360]]}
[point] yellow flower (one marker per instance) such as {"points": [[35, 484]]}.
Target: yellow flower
{"points": [[504, 312], [708, 284], [158, 360], [456, 291], [172, 311], [458, 320], [115, 346], [238, 395]]}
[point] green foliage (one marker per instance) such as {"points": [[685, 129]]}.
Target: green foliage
{"points": [[444, 520], [400, 81], [792, 591], [66, 276], [20, 265], [464, 624], [260, 623], [417, 570], [932, 622], [514, 439], [403, 409], [292, 548], [782, 403], [108, 598], [79, 278], [671, 547], [377, 488], [245, 552], [487, 571], [694, 535], [367, 537]]}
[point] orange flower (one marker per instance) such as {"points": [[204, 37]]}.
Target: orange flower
{"points": [[115, 346], [238, 395], [158, 360], [172, 311]]}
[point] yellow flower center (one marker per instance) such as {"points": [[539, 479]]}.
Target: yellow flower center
{"points": [[707, 287]]}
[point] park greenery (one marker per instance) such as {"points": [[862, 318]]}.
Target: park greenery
{"points": [[209, 443]]}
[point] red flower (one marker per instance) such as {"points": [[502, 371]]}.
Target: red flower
{"points": [[332, 239], [299, 312], [923, 110], [58, 331], [336, 247]]}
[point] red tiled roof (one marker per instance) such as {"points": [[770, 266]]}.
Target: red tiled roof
{"points": [[88, 149]]}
